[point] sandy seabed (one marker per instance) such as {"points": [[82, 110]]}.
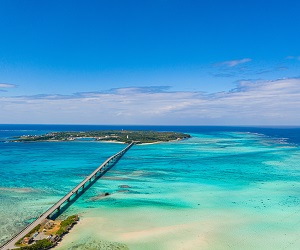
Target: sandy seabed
{"points": [[155, 228]]}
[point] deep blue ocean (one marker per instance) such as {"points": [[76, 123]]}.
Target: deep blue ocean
{"points": [[224, 188]]}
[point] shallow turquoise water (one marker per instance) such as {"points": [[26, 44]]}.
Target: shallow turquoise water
{"points": [[244, 187], [35, 175]]}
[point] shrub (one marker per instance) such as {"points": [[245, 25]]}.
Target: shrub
{"points": [[66, 223], [39, 245]]}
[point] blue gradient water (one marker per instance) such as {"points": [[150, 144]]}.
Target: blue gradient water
{"points": [[225, 188]]}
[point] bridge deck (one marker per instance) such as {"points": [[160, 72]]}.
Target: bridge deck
{"points": [[11, 243]]}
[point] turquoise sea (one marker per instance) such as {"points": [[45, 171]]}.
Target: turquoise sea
{"points": [[225, 188]]}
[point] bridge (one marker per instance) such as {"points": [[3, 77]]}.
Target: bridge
{"points": [[75, 192]]}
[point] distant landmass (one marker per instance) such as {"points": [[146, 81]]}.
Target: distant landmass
{"points": [[125, 136]]}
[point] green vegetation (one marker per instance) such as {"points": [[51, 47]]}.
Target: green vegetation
{"points": [[18, 243], [39, 245], [65, 226], [125, 136], [66, 223], [37, 228]]}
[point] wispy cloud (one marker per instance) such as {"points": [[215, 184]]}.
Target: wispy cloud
{"points": [[223, 75], [270, 70], [7, 85], [292, 58], [251, 102], [289, 57], [281, 68], [233, 63], [264, 71]]}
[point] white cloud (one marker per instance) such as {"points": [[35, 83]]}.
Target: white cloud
{"points": [[251, 103], [233, 63], [7, 85]]}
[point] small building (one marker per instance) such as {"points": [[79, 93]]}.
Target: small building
{"points": [[27, 240]]}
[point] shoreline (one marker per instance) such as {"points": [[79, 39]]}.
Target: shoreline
{"points": [[101, 141], [116, 136]]}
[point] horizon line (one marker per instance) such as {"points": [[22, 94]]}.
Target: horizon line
{"points": [[154, 125]]}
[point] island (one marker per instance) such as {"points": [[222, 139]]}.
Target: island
{"points": [[124, 136], [47, 234]]}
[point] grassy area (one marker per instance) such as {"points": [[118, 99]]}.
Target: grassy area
{"points": [[66, 223], [37, 228], [39, 245], [63, 227]]}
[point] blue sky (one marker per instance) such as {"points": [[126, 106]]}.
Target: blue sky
{"points": [[150, 62]]}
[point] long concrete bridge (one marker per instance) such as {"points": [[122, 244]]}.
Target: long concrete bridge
{"points": [[105, 166]]}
